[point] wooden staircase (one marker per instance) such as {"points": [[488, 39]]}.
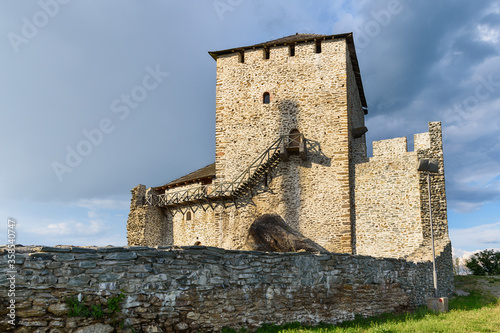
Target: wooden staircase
{"points": [[224, 192]]}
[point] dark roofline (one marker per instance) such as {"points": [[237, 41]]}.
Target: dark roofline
{"points": [[205, 173], [303, 38]]}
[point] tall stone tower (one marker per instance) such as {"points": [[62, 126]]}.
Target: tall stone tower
{"points": [[306, 83]]}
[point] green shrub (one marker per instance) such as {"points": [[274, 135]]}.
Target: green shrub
{"points": [[78, 308], [114, 303], [486, 262]]}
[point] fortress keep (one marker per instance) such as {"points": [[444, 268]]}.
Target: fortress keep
{"points": [[290, 140]]}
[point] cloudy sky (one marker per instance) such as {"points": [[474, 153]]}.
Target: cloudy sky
{"points": [[74, 142]]}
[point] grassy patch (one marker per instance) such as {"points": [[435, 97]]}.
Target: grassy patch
{"points": [[477, 312]]}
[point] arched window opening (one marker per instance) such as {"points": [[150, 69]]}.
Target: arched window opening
{"points": [[267, 53], [318, 46], [266, 98], [188, 216]]}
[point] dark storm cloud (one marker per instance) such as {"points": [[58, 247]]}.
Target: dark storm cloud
{"points": [[437, 61], [428, 61]]}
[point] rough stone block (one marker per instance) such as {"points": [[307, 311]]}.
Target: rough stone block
{"points": [[439, 304]]}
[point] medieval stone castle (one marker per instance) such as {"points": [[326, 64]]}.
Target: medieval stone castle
{"points": [[290, 140]]}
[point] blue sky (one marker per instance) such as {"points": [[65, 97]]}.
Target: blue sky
{"points": [[130, 86]]}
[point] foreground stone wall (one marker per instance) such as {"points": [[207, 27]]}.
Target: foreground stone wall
{"points": [[204, 289]]}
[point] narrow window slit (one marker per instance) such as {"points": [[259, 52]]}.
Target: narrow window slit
{"points": [[318, 46], [267, 53]]}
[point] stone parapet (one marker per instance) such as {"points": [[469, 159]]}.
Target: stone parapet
{"points": [[390, 147]]}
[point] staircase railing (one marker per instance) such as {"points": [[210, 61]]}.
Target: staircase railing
{"points": [[250, 177]]}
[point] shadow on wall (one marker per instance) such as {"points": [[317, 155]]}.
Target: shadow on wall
{"points": [[290, 123]]}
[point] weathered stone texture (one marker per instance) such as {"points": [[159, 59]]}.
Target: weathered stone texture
{"points": [[388, 206], [147, 225], [309, 93], [391, 203], [203, 289]]}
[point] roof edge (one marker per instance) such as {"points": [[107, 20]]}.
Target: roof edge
{"points": [[276, 42], [348, 37], [207, 172]]}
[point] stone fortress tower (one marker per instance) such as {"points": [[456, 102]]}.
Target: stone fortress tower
{"points": [[290, 140]]}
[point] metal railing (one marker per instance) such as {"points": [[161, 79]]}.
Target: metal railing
{"points": [[250, 177]]}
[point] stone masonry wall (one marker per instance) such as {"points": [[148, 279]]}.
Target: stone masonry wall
{"points": [[387, 200], [391, 203], [203, 289], [147, 225], [308, 92], [430, 145]]}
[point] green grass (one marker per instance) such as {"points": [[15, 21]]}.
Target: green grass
{"points": [[478, 312]]}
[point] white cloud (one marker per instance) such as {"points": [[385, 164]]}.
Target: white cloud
{"points": [[462, 254], [485, 236], [488, 34], [95, 204], [72, 228], [464, 207]]}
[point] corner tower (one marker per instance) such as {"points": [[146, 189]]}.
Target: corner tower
{"points": [[306, 83]]}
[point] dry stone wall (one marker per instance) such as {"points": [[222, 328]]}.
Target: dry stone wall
{"points": [[194, 289]]}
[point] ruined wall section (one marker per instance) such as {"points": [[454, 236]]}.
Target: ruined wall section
{"points": [[392, 214], [388, 206], [204, 289], [430, 145], [147, 225], [433, 149], [308, 92]]}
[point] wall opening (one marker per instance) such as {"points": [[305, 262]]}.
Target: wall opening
{"points": [[241, 57], [267, 53], [294, 139], [188, 216], [266, 98], [291, 50], [318, 46]]}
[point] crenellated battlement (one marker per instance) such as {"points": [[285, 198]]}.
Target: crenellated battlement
{"points": [[399, 146], [390, 147], [391, 211]]}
